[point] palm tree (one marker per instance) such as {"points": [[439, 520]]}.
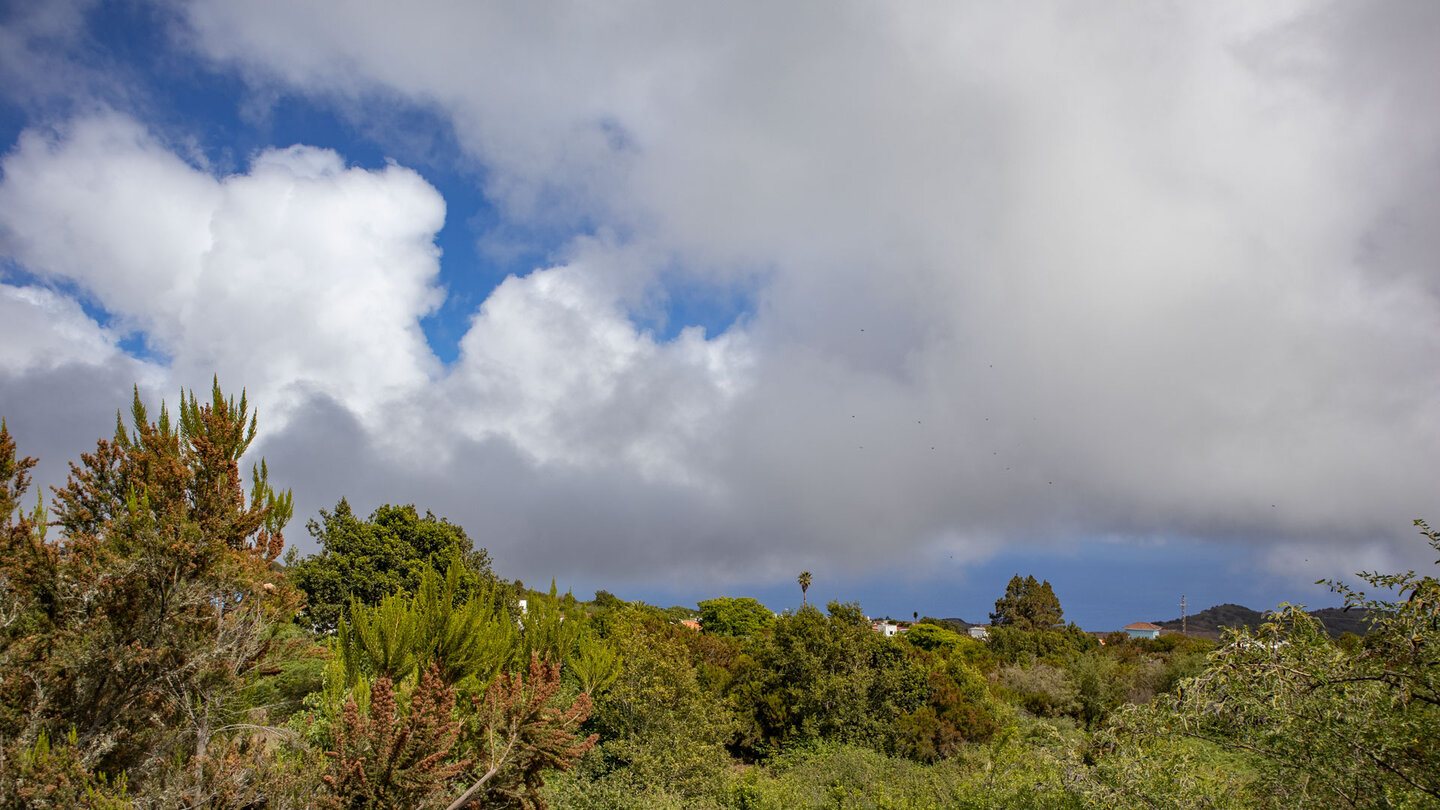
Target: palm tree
{"points": [[804, 580]]}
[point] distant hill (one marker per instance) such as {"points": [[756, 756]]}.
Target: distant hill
{"points": [[1340, 620], [958, 625], [1209, 622]]}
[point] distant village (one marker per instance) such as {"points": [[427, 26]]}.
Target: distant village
{"points": [[982, 631], [1210, 623]]}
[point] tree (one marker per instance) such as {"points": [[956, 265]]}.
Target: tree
{"points": [[18, 533], [604, 600], [156, 604], [459, 636], [804, 580], [1027, 605], [734, 616], [660, 723], [1325, 726], [383, 555], [817, 676]]}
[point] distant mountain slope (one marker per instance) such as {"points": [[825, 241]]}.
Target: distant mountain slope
{"points": [[1209, 622], [1339, 620], [958, 625]]}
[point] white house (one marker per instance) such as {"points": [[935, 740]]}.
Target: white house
{"points": [[1142, 630]]}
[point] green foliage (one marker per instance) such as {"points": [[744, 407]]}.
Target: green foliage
{"points": [[53, 777], [958, 710], [659, 724], [1041, 689], [1027, 605], [948, 644], [1102, 684], [604, 600], [1012, 772], [383, 640], [280, 689], [827, 775], [934, 638], [385, 555], [548, 632], [1013, 645], [463, 634], [817, 676], [1169, 772], [617, 790], [1321, 725], [595, 664], [734, 616]]}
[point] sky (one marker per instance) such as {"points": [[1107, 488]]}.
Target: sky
{"points": [[678, 300]]}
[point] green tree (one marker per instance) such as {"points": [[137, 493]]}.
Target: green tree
{"points": [[383, 555], [816, 676], [1055, 646], [804, 581], [934, 638], [659, 723], [460, 636], [734, 616], [604, 600], [1027, 605]]}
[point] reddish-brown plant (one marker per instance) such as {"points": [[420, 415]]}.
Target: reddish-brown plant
{"points": [[385, 760], [518, 735]]}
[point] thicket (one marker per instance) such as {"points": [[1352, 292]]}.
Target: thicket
{"points": [[155, 652]]}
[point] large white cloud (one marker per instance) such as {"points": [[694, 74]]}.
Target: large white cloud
{"points": [[1126, 271], [553, 364], [1020, 273], [299, 276]]}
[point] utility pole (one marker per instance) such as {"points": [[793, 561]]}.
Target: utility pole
{"points": [[1183, 627]]}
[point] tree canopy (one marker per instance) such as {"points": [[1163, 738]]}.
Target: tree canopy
{"points": [[734, 616], [133, 632], [1027, 605], [386, 554]]}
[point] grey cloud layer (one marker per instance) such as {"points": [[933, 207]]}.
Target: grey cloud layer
{"points": [[1020, 274]]}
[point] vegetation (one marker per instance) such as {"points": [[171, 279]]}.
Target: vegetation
{"points": [[1027, 605], [1325, 725], [154, 654], [734, 616], [383, 555]]}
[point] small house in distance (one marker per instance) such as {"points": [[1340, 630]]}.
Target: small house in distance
{"points": [[980, 631], [1142, 630]]}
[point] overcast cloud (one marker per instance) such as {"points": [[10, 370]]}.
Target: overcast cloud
{"points": [[1020, 274]]}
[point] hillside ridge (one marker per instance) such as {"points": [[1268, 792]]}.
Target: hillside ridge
{"points": [[1209, 623]]}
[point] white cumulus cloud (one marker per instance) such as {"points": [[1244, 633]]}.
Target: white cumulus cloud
{"points": [[298, 276]]}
